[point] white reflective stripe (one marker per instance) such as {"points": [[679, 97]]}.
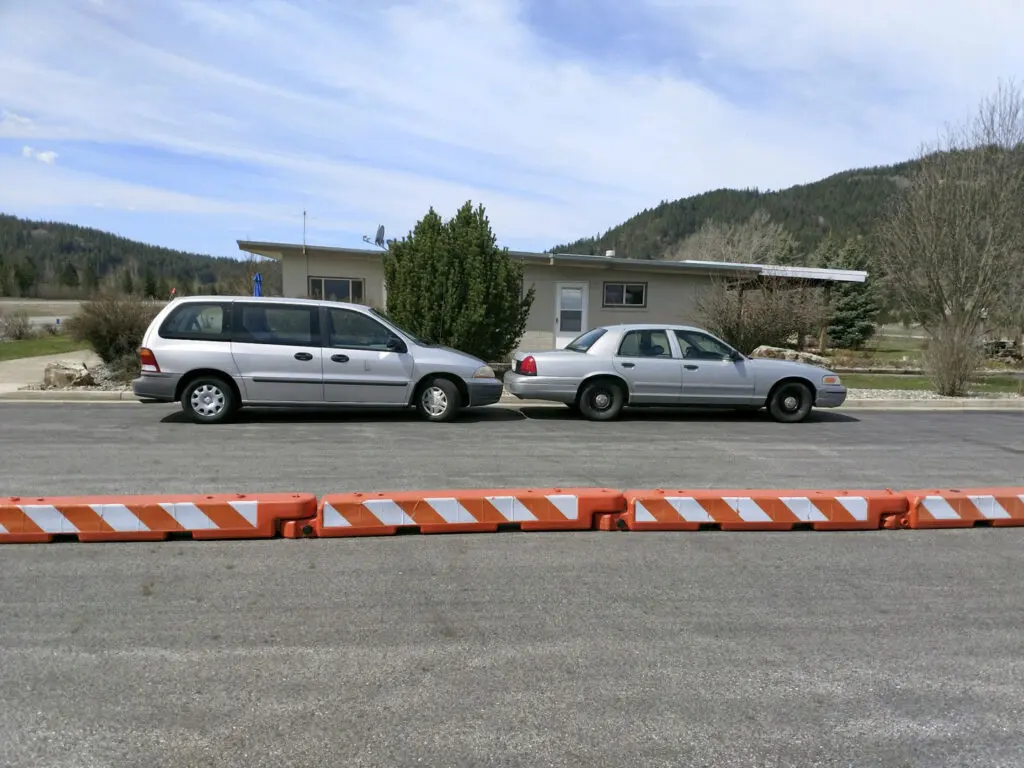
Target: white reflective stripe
{"points": [[857, 506], [119, 517], [388, 512], [248, 510], [689, 509], [2, 529], [332, 519], [939, 508], [641, 514], [567, 505], [803, 509], [48, 518], [747, 509], [451, 510], [511, 508], [990, 507], [189, 516]]}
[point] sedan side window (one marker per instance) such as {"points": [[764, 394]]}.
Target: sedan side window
{"points": [[645, 344], [700, 346], [354, 330]]}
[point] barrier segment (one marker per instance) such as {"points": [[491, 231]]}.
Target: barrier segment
{"points": [[965, 508], [760, 510], [465, 511], [149, 518]]}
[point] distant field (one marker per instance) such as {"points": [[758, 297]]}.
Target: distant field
{"points": [[40, 307], [43, 345]]}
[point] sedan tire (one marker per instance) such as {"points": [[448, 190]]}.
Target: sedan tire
{"points": [[209, 400], [438, 400], [791, 402], [602, 400]]}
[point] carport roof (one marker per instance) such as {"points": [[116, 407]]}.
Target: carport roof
{"points": [[279, 251]]}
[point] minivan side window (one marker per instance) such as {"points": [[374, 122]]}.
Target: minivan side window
{"points": [[354, 330], [293, 325], [198, 321]]}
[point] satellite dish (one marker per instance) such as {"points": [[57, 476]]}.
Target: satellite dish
{"points": [[379, 239]]}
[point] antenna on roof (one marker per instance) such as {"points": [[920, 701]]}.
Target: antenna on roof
{"points": [[303, 232], [378, 239]]}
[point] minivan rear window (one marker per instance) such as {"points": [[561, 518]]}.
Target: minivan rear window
{"points": [[198, 321]]}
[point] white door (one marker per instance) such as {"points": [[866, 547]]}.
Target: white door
{"points": [[570, 312]]}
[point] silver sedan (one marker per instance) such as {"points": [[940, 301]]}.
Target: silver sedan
{"points": [[611, 367]]}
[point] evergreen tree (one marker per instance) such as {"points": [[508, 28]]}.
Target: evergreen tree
{"points": [[448, 281], [855, 306], [149, 286], [69, 275], [127, 282]]}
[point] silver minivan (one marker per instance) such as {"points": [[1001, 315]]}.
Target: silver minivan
{"points": [[215, 354]]}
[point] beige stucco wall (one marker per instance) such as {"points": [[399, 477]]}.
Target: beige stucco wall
{"points": [[671, 298]]}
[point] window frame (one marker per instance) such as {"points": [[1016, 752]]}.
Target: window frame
{"points": [[328, 324], [226, 331], [316, 332], [351, 281], [624, 284], [679, 340], [668, 337]]}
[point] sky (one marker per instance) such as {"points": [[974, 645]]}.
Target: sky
{"points": [[192, 124]]}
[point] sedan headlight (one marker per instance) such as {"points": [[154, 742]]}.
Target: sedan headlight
{"points": [[831, 380], [484, 372]]}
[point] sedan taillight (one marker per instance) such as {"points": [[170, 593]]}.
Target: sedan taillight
{"points": [[527, 366]]}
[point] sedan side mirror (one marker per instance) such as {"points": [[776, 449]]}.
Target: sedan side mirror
{"points": [[735, 356]]}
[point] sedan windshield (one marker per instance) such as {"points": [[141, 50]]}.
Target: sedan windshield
{"points": [[585, 341]]}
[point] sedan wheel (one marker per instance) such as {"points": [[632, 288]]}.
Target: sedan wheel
{"points": [[602, 400], [791, 402]]}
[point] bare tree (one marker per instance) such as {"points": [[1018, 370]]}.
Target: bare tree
{"points": [[758, 240], [954, 239]]}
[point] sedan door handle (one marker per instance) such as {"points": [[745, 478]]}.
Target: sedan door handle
{"points": [[339, 358], [303, 356], [629, 365], [691, 367]]}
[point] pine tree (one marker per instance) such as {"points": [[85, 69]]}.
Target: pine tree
{"points": [[127, 282], [855, 306], [448, 281], [149, 289]]}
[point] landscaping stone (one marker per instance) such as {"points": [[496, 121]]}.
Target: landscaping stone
{"points": [[780, 353]]}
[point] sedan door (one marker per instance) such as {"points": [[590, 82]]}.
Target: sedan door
{"points": [[645, 360], [276, 347], [710, 375], [362, 365]]}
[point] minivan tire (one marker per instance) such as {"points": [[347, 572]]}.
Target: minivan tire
{"points": [[438, 400], [209, 400]]}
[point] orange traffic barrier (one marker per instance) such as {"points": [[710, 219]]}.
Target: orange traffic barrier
{"points": [[464, 511], [965, 508], [760, 510], [150, 518]]}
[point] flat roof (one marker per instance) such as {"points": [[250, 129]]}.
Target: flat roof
{"points": [[279, 250]]}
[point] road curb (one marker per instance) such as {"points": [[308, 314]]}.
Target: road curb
{"points": [[69, 396]]}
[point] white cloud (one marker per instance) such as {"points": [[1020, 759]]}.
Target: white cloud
{"points": [[49, 157], [367, 113]]}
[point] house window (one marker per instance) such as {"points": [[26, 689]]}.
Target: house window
{"points": [[625, 295], [337, 289]]}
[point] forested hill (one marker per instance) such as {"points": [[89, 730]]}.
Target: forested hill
{"points": [[846, 204], [47, 259]]}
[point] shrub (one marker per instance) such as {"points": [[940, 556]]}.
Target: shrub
{"points": [[15, 326], [113, 326]]}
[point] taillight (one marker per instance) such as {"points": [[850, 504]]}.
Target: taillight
{"points": [[148, 361], [528, 366]]}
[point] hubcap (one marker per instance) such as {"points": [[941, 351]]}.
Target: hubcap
{"points": [[791, 403], [207, 400], [435, 401], [602, 400]]}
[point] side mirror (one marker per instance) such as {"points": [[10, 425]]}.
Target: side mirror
{"points": [[395, 344], [735, 356]]}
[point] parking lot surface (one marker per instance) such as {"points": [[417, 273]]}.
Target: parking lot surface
{"points": [[112, 448], [888, 648]]}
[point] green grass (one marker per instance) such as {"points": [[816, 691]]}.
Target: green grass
{"points": [[982, 384], [39, 346]]}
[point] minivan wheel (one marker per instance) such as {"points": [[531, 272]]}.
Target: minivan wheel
{"points": [[602, 400], [791, 402], [208, 400], [438, 400]]}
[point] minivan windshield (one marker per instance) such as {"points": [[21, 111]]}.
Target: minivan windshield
{"points": [[411, 336], [585, 341]]}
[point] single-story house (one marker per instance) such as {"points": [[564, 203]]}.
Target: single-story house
{"points": [[572, 292]]}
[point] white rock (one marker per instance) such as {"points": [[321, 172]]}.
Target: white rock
{"points": [[64, 375], [780, 353]]}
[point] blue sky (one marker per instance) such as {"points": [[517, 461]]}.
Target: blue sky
{"points": [[192, 124]]}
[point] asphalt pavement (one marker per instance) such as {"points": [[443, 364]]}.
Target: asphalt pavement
{"points": [[50, 449], [888, 648]]}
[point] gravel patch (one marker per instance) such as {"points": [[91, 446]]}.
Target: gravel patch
{"points": [[918, 394]]}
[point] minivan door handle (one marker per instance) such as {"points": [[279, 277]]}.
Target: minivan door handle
{"points": [[629, 365], [339, 358], [691, 367], [303, 356]]}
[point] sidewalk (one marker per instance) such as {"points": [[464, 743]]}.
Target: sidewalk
{"points": [[28, 371]]}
